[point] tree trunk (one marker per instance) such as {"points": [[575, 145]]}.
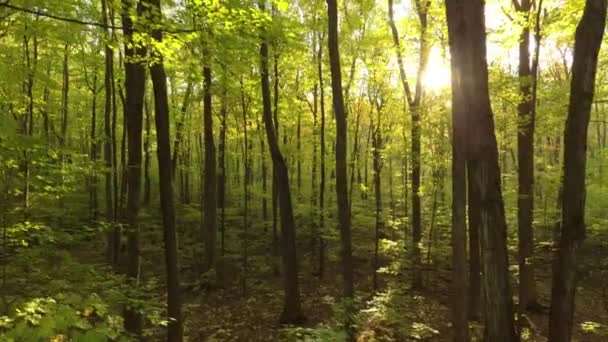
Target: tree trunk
{"points": [[113, 236], [221, 184], [459, 197], [163, 140], [377, 144], [466, 28], [322, 159], [147, 134], [341, 131], [588, 40], [135, 76], [246, 181], [414, 102], [93, 198], [209, 202], [525, 167], [28, 117], [474, 208], [292, 309]]}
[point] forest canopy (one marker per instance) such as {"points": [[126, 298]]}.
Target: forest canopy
{"points": [[306, 170]]}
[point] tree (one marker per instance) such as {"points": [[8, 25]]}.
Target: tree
{"points": [[460, 310], [209, 221], [135, 82], [163, 140], [341, 129], [588, 39], [525, 164], [414, 102], [466, 29], [292, 309]]}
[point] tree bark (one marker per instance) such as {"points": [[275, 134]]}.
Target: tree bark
{"points": [[459, 196], [341, 131], [466, 29], [525, 166], [221, 184], [322, 153], [377, 144], [163, 140], [292, 308], [135, 76], [114, 234], [209, 221], [474, 208], [588, 40], [147, 134]]}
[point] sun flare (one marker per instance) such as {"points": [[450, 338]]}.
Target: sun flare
{"points": [[437, 74]]}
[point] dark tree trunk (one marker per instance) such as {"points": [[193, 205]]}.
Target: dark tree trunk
{"points": [[27, 120], [355, 158], [163, 140], [466, 28], [322, 159], [275, 200], [114, 234], [291, 310], [459, 232], [221, 182], [93, 197], [147, 134], [135, 76], [210, 187], [377, 144], [474, 252], [264, 176], [341, 131], [246, 182], [525, 167], [588, 40]]}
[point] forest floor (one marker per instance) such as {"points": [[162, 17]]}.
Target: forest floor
{"points": [[392, 313]]}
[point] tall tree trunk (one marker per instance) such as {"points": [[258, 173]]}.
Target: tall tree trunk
{"points": [[28, 117], [93, 178], [292, 309], [414, 102], [147, 134], [65, 110], [466, 29], [474, 209], [341, 131], [114, 234], [135, 77], [588, 40], [459, 232], [377, 144], [163, 140], [525, 166], [221, 182], [246, 181], [275, 203], [322, 159], [209, 202], [355, 158]]}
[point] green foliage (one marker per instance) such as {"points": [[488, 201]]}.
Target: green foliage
{"points": [[84, 319]]}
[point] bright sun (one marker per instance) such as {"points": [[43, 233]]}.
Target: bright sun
{"points": [[437, 74]]}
